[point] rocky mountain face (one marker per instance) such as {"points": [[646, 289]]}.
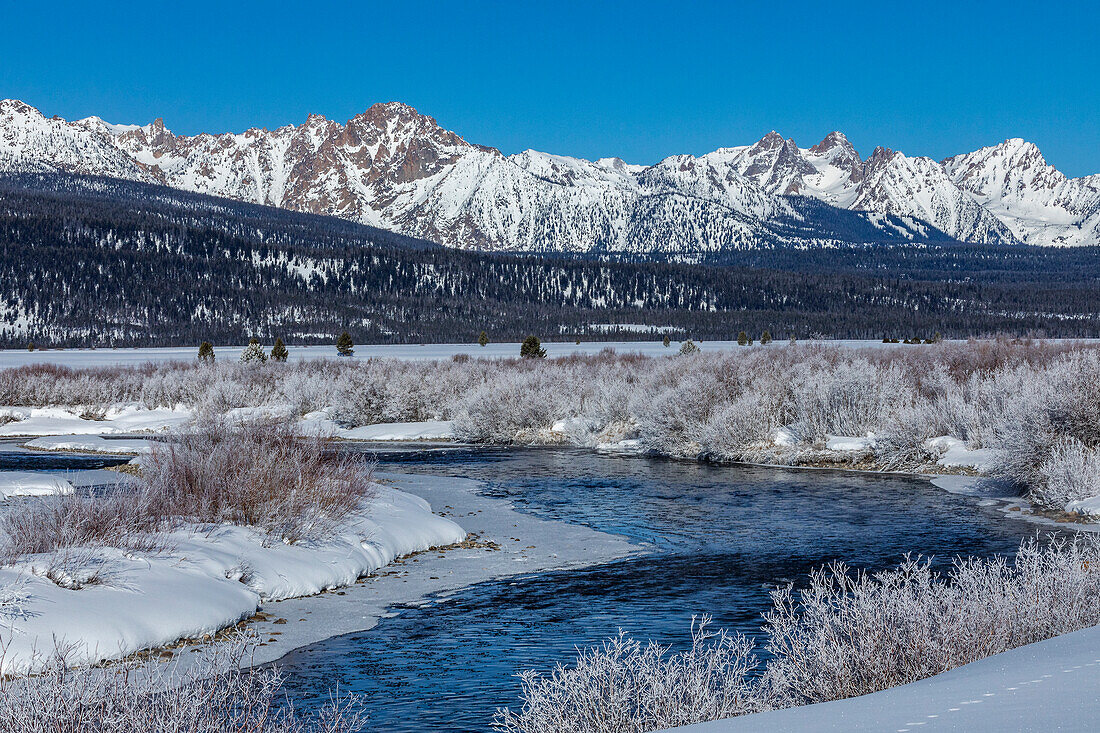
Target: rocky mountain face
{"points": [[395, 168]]}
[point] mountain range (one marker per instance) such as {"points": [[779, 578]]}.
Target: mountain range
{"points": [[394, 168]]}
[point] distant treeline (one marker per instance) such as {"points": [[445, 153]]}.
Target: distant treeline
{"points": [[92, 261]]}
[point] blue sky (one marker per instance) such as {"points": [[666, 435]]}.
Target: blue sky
{"points": [[639, 79]]}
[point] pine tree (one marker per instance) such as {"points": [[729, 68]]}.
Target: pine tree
{"points": [[742, 339], [344, 344], [766, 337], [206, 351], [483, 339], [30, 346], [688, 347], [278, 351], [667, 341], [532, 348], [253, 353]]}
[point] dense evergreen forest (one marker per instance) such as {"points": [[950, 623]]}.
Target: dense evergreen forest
{"points": [[92, 261]]}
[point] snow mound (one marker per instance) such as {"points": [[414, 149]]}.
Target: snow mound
{"points": [[847, 443], [28, 483], [953, 453], [210, 579], [116, 420], [91, 444], [427, 430]]}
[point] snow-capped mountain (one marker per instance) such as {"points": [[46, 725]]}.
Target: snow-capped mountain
{"points": [[395, 168], [887, 182], [1035, 200]]}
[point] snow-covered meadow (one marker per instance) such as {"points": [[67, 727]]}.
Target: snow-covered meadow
{"points": [[1020, 412]]}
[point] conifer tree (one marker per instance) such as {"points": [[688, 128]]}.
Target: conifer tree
{"points": [[742, 339], [206, 351], [667, 341], [532, 348], [344, 345], [253, 352], [766, 337], [278, 351], [689, 347], [483, 339]]}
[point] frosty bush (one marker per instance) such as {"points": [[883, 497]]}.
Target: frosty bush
{"points": [[845, 634], [260, 475], [218, 693], [1019, 398], [629, 687], [1071, 473]]}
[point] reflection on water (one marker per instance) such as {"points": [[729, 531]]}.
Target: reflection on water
{"points": [[724, 536]]}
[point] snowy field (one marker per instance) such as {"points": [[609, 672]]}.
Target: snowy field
{"points": [[1053, 685], [415, 352]]}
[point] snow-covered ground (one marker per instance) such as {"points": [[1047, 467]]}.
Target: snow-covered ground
{"points": [[1053, 685], [109, 603], [67, 421], [654, 347], [30, 483], [91, 444]]}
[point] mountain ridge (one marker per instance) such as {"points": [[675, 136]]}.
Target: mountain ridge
{"points": [[397, 169]]}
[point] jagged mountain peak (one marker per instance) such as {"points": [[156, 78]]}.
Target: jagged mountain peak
{"points": [[395, 167], [18, 107], [833, 141], [1037, 201]]}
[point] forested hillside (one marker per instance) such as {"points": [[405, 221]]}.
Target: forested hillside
{"points": [[93, 261]]}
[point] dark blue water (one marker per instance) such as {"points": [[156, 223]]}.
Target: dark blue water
{"points": [[15, 458], [723, 538]]}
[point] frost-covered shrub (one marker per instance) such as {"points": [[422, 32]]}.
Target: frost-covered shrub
{"points": [[1071, 473], [502, 411], [260, 474], [844, 397], [675, 423], [845, 634], [215, 694], [1060, 404], [733, 429], [629, 687], [66, 527], [850, 633]]}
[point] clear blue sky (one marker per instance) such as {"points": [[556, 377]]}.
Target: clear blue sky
{"points": [[639, 79]]}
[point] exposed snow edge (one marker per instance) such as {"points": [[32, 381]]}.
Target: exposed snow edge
{"points": [[1048, 685], [212, 578]]}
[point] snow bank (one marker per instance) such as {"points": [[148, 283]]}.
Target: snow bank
{"points": [[1048, 686], [953, 453], [427, 430], [27, 483], [64, 421], [211, 579], [91, 444], [1089, 506], [846, 443]]}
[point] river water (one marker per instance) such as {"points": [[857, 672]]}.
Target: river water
{"points": [[721, 538]]}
